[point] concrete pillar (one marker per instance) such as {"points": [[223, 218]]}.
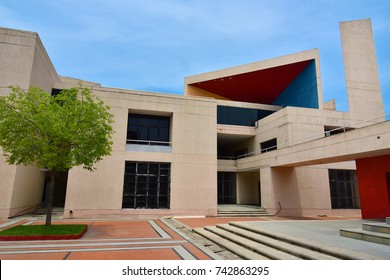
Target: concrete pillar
{"points": [[361, 70], [267, 189]]}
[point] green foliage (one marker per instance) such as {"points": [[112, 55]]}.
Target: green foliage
{"points": [[54, 132], [42, 230]]}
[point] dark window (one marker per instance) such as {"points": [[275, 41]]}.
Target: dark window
{"points": [[269, 145], [227, 188], [146, 185], [240, 116], [148, 130], [55, 91], [344, 191]]}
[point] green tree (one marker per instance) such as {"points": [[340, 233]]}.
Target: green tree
{"points": [[56, 133]]}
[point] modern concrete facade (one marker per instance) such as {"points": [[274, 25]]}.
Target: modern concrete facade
{"points": [[256, 134]]}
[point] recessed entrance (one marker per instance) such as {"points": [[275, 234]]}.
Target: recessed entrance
{"points": [[61, 183]]}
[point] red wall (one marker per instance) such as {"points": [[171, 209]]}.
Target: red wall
{"points": [[373, 189]]}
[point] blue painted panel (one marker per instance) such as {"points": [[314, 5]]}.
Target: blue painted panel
{"points": [[302, 92]]}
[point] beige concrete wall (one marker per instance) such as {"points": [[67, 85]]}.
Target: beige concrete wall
{"points": [[21, 189], [227, 165], [43, 73], [248, 188], [16, 56], [7, 175], [193, 158], [301, 191], [361, 69], [27, 190], [293, 125], [24, 62]]}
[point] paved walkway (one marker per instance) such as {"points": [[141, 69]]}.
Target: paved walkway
{"points": [[105, 240], [323, 232], [326, 234], [170, 239]]}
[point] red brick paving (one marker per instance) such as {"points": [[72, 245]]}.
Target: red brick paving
{"points": [[147, 254], [104, 236], [35, 256]]}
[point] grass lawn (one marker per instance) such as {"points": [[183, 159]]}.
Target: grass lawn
{"points": [[37, 232]]}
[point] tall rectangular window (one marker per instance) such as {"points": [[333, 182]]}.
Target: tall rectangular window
{"points": [[227, 193], [344, 189], [146, 185], [148, 129]]}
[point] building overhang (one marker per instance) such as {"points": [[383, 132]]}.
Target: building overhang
{"points": [[259, 82]]}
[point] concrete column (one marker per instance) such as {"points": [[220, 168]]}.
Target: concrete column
{"points": [[361, 69], [268, 200]]}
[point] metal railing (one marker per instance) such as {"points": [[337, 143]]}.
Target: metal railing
{"points": [[147, 142], [316, 136]]}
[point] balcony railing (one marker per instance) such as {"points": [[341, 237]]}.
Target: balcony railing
{"points": [[147, 142]]}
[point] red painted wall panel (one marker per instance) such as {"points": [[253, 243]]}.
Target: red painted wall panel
{"points": [[373, 188]]}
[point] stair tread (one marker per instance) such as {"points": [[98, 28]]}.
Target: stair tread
{"points": [[366, 232], [233, 247], [383, 225], [320, 247], [242, 216], [258, 247], [279, 245]]}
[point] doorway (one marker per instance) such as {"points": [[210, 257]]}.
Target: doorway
{"points": [[59, 190], [227, 192]]}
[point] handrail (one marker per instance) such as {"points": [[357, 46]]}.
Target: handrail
{"points": [[150, 143], [323, 134]]}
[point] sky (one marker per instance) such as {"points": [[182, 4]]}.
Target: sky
{"points": [[152, 45]]}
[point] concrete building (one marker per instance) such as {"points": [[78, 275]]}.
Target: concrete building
{"points": [[257, 134]]}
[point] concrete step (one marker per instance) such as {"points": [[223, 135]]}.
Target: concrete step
{"points": [[336, 252], [233, 247], [242, 211], [377, 227], [280, 245], [388, 220], [376, 237], [259, 248], [243, 214]]}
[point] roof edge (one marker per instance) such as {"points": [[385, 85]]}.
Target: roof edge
{"points": [[254, 66]]}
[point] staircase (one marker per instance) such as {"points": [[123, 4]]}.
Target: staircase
{"points": [[372, 232], [261, 244], [233, 210]]}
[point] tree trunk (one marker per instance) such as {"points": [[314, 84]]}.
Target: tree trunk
{"points": [[50, 197]]}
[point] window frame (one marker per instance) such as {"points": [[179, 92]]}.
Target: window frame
{"points": [[344, 189], [147, 129], [146, 185]]}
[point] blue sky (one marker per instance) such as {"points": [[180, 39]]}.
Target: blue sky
{"points": [[153, 44]]}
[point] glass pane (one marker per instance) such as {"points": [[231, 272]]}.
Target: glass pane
{"points": [[344, 189], [142, 168], [163, 134], [146, 186], [130, 168], [340, 175]]}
